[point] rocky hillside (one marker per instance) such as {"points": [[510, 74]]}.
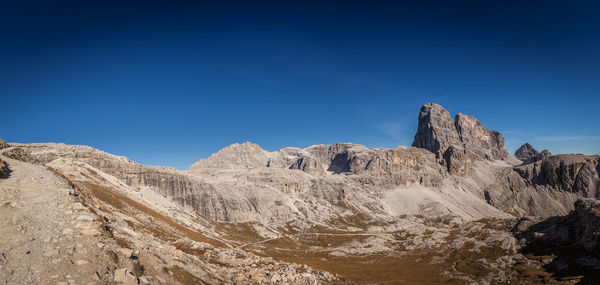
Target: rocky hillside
{"points": [[572, 240]]}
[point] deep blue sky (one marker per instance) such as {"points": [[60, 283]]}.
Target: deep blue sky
{"points": [[168, 84]]}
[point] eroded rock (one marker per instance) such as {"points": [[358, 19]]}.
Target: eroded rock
{"points": [[437, 131], [525, 152]]}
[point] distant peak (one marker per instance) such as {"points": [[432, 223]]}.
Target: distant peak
{"points": [[246, 145], [437, 131], [525, 152]]}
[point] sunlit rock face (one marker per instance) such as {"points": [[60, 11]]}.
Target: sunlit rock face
{"points": [[437, 131]]}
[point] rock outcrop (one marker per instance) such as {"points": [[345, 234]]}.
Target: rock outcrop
{"points": [[548, 187], [3, 168], [568, 172], [540, 156], [525, 152], [573, 240], [19, 153], [236, 156], [307, 164], [458, 160], [437, 131], [3, 144]]}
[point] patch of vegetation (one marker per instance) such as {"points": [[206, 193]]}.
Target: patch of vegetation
{"points": [[184, 277], [188, 247]]}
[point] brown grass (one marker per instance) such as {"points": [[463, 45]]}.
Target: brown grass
{"points": [[184, 277], [189, 248], [119, 201], [122, 242]]}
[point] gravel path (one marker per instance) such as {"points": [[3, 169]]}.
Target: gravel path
{"points": [[47, 237]]}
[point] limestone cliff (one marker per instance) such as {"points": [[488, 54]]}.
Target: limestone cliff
{"points": [[437, 131]]}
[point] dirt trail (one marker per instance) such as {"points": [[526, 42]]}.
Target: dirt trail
{"points": [[47, 237]]}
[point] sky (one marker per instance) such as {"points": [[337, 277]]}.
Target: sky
{"points": [[168, 83]]}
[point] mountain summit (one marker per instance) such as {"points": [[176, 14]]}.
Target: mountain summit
{"points": [[437, 131]]}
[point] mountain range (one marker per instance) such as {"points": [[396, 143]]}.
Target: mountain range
{"points": [[454, 208]]}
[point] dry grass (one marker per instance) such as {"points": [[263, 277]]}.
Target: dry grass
{"points": [[120, 202], [184, 277], [410, 268], [189, 248], [122, 242]]}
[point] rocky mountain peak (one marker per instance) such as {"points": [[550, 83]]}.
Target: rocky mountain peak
{"points": [[525, 152], [236, 156], [437, 131]]}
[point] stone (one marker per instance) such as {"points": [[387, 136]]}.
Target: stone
{"points": [[3, 144], [81, 262], [125, 252], [125, 277], [90, 232], [240, 276], [256, 276]]}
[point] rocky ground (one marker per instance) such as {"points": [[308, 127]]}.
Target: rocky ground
{"points": [[56, 232]]}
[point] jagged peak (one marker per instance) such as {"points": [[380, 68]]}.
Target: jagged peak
{"points": [[437, 131]]}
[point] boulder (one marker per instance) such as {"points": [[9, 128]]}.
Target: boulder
{"points": [[125, 277]]}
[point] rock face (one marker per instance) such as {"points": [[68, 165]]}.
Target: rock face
{"points": [[540, 156], [573, 240], [307, 164], [526, 152], [3, 144], [458, 160], [568, 172], [238, 156], [20, 154], [437, 131], [548, 187]]}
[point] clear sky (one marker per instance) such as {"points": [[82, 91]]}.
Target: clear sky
{"points": [[168, 84]]}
